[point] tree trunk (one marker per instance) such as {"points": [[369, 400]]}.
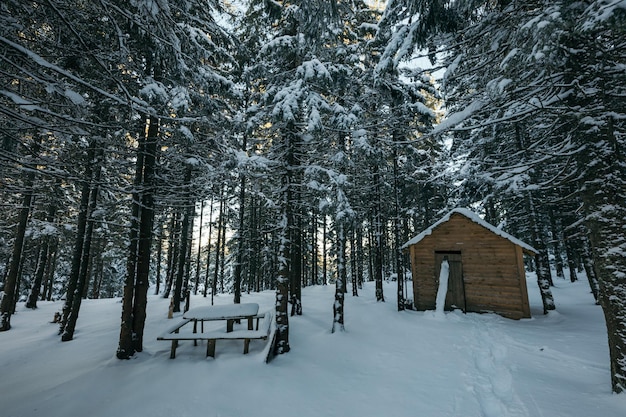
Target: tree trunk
{"points": [[172, 254], [324, 253], [196, 283], [571, 257], [159, 259], [295, 270], [606, 224], [208, 250], [556, 244], [136, 285], [218, 245], [222, 267], [68, 331], [378, 236], [50, 268], [338, 305], [544, 278], [353, 262], [590, 269], [42, 261], [314, 249], [396, 226], [282, 290], [184, 239], [359, 254], [237, 274], [11, 281], [79, 242]]}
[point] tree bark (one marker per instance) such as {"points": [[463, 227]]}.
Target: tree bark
{"points": [[136, 285], [208, 251], [295, 270], [159, 259], [79, 242], [172, 254], [218, 245], [196, 283], [183, 245], [50, 268], [590, 269], [338, 305], [11, 282], [378, 236], [606, 220], [353, 262], [544, 278], [68, 331], [237, 273], [396, 226], [42, 261], [282, 290]]}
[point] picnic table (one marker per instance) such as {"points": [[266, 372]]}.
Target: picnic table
{"points": [[228, 312]]}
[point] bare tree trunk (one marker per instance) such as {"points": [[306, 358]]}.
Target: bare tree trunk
{"points": [[590, 270], [295, 271], [353, 262], [159, 259], [50, 268], [208, 251], [282, 290], [338, 305], [544, 278], [172, 254], [11, 282], [570, 253], [42, 262], [556, 244], [314, 249], [68, 331], [378, 236], [137, 280], [324, 252], [222, 268], [184, 239], [396, 225], [237, 275], [218, 245], [197, 277], [79, 242], [359, 254], [606, 222]]}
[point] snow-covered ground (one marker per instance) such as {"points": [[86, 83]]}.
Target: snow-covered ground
{"points": [[386, 364]]}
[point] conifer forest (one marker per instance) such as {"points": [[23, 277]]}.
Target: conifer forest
{"points": [[225, 147]]}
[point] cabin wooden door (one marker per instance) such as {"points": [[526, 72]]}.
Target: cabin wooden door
{"points": [[455, 297]]}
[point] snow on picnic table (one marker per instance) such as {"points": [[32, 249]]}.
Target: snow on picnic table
{"points": [[387, 363]]}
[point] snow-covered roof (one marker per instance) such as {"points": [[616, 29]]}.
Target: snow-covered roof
{"points": [[476, 219]]}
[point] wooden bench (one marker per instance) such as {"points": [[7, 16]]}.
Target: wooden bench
{"points": [[264, 323]]}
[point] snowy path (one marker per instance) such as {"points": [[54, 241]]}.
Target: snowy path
{"points": [[492, 382]]}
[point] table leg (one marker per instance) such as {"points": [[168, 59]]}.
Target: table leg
{"points": [[210, 348], [229, 325], [251, 323]]}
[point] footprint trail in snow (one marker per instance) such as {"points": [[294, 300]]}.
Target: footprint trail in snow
{"points": [[492, 383]]}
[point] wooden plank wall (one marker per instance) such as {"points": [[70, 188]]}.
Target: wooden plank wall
{"points": [[492, 268]]}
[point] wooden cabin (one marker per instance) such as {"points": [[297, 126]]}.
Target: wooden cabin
{"points": [[486, 266]]}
